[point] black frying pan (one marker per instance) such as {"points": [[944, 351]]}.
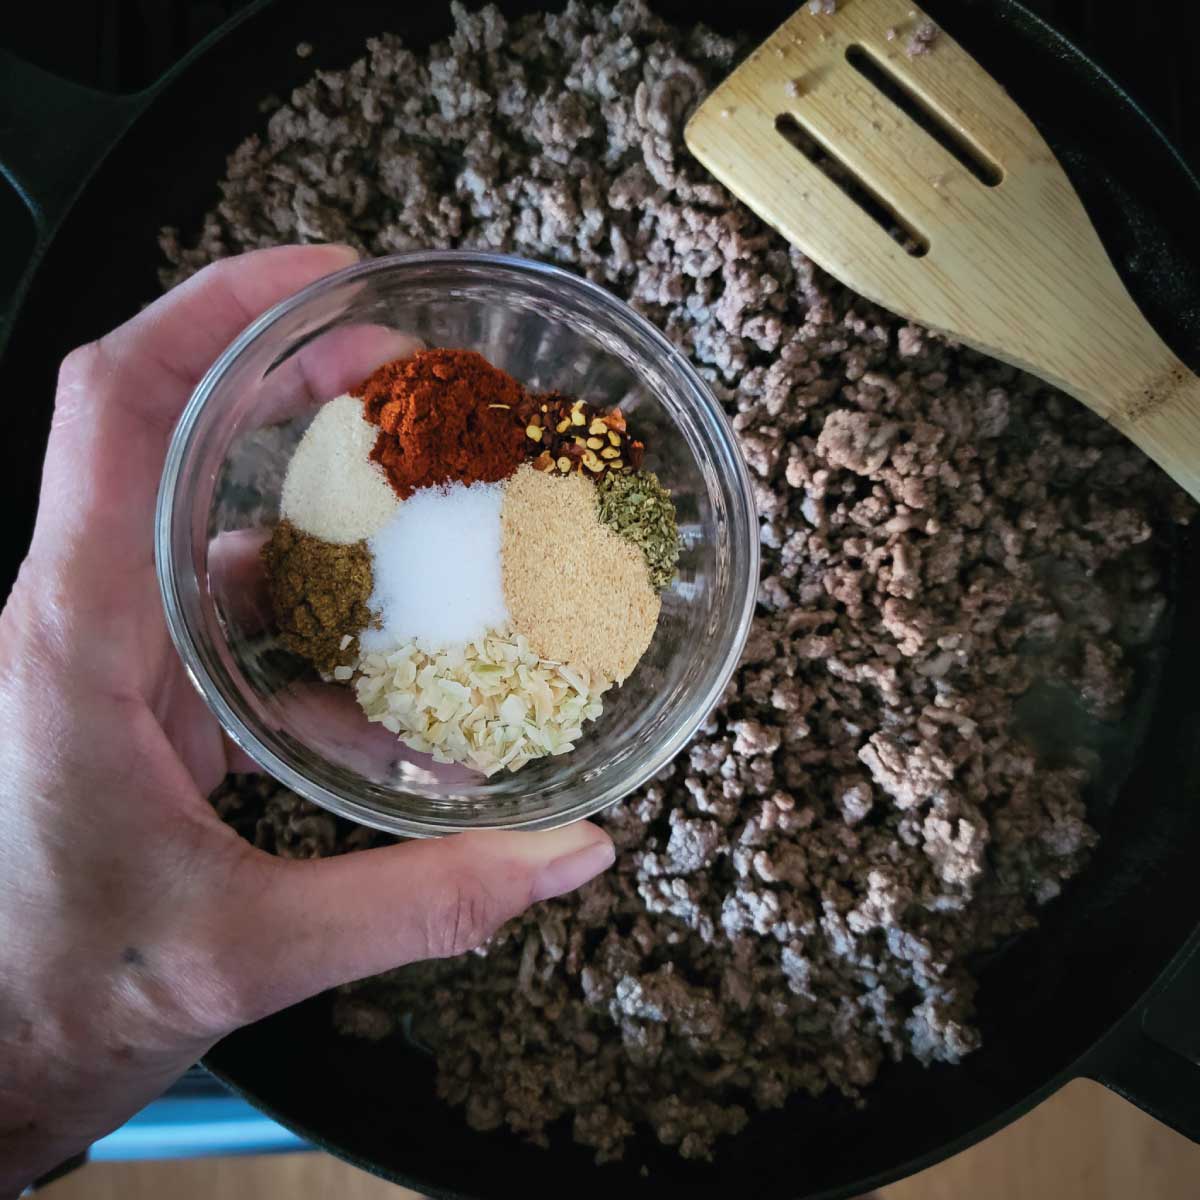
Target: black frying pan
{"points": [[1107, 988]]}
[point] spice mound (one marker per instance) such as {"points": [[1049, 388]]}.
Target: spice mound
{"points": [[576, 590], [640, 509], [492, 703], [480, 563], [331, 490], [444, 416], [319, 594]]}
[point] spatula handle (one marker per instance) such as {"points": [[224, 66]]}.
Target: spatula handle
{"points": [[1162, 416]]}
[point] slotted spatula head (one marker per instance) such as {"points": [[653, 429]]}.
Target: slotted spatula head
{"points": [[879, 147]]}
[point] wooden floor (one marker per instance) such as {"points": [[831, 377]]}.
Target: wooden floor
{"points": [[1083, 1144]]}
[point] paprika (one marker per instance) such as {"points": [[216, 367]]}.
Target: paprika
{"points": [[444, 416]]}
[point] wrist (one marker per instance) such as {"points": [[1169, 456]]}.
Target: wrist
{"points": [[76, 1061]]}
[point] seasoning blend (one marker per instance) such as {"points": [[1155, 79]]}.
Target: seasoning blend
{"points": [[319, 594], [490, 704], [479, 562], [444, 416], [578, 592], [638, 508], [331, 489], [437, 569]]}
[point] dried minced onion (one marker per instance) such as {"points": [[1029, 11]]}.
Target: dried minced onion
{"points": [[491, 703]]}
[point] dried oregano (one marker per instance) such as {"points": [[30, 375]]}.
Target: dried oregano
{"points": [[639, 508]]}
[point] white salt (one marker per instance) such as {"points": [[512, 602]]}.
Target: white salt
{"points": [[332, 490], [437, 569]]}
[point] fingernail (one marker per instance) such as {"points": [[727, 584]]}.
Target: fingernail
{"points": [[573, 870]]}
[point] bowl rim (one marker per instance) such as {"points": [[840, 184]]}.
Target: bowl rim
{"points": [[168, 514]]}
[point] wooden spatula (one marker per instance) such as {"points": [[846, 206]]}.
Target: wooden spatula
{"points": [[881, 149]]}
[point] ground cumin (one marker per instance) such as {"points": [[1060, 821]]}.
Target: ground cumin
{"points": [[319, 594]]}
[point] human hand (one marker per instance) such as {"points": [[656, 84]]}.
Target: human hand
{"points": [[135, 928]]}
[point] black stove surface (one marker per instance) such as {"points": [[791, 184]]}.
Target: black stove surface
{"points": [[1152, 47]]}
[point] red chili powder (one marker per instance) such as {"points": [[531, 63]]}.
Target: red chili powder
{"points": [[444, 416]]}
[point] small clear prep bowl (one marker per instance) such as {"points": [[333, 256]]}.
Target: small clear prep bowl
{"points": [[220, 495]]}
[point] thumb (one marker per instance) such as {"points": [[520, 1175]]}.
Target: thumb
{"points": [[321, 923]]}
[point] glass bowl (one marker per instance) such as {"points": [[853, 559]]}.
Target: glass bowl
{"points": [[220, 496]]}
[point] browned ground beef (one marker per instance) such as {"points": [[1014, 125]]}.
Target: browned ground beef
{"points": [[799, 897]]}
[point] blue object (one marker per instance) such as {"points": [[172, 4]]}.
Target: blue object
{"points": [[197, 1117]]}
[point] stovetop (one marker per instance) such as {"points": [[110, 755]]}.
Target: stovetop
{"points": [[1151, 46]]}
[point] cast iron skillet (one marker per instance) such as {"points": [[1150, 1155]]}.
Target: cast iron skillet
{"points": [[1106, 988]]}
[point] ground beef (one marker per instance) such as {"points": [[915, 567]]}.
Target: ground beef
{"points": [[922, 39], [799, 897]]}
